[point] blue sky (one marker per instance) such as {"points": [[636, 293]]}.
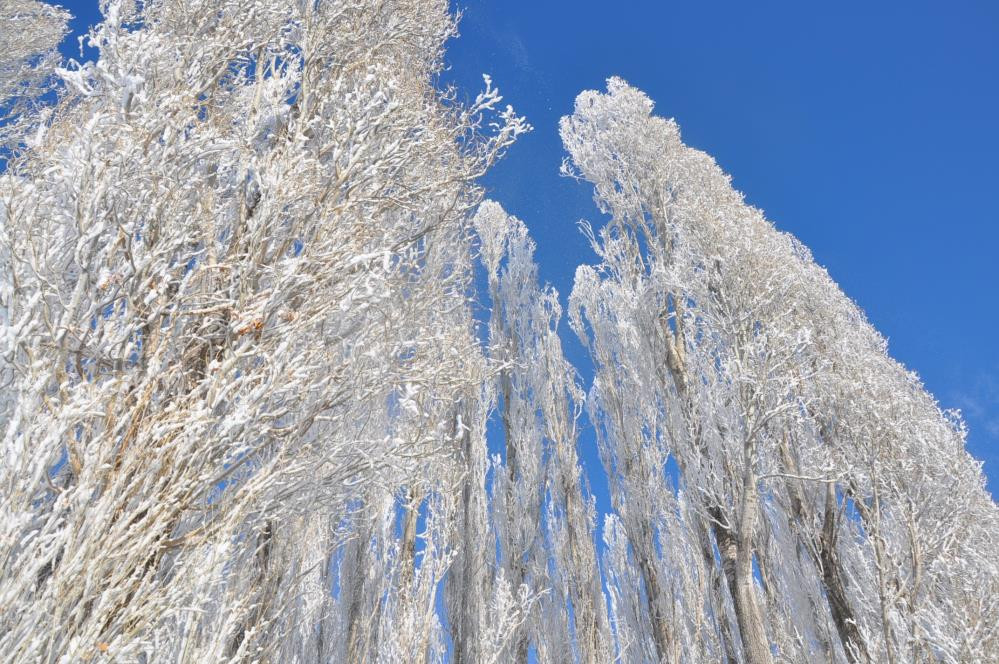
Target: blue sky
{"points": [[868, 130]]}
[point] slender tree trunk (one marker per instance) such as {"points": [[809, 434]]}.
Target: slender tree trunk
{"points": [[717, 599], [655, 595], [467, 573], [356, 629], [736, 548], [584, 588], [739, 575], [515, 557], [832, 580], [747, 610], [823, 550]]}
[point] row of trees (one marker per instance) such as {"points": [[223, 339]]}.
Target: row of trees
{"points": [[248, 387]]}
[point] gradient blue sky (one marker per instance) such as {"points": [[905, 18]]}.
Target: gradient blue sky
{"points": [[867, 129]]}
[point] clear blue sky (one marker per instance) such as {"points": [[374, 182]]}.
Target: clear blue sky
{"points": [[867, 129]]}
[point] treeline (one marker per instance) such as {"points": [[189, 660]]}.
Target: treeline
{"points": [[247, 387]]}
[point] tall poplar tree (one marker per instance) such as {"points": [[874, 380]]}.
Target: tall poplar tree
{"points": [[814, 475]]}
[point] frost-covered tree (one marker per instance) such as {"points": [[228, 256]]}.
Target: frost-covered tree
{"points": [[237, 338], [544, 521], [814, 475]]}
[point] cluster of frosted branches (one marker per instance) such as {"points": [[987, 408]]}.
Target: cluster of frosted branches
{"points": [[31, 32], [246, 399]]}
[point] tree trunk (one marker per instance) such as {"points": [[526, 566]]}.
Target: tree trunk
{"points": [[737, 561], [654, 595], [832, 580]]}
